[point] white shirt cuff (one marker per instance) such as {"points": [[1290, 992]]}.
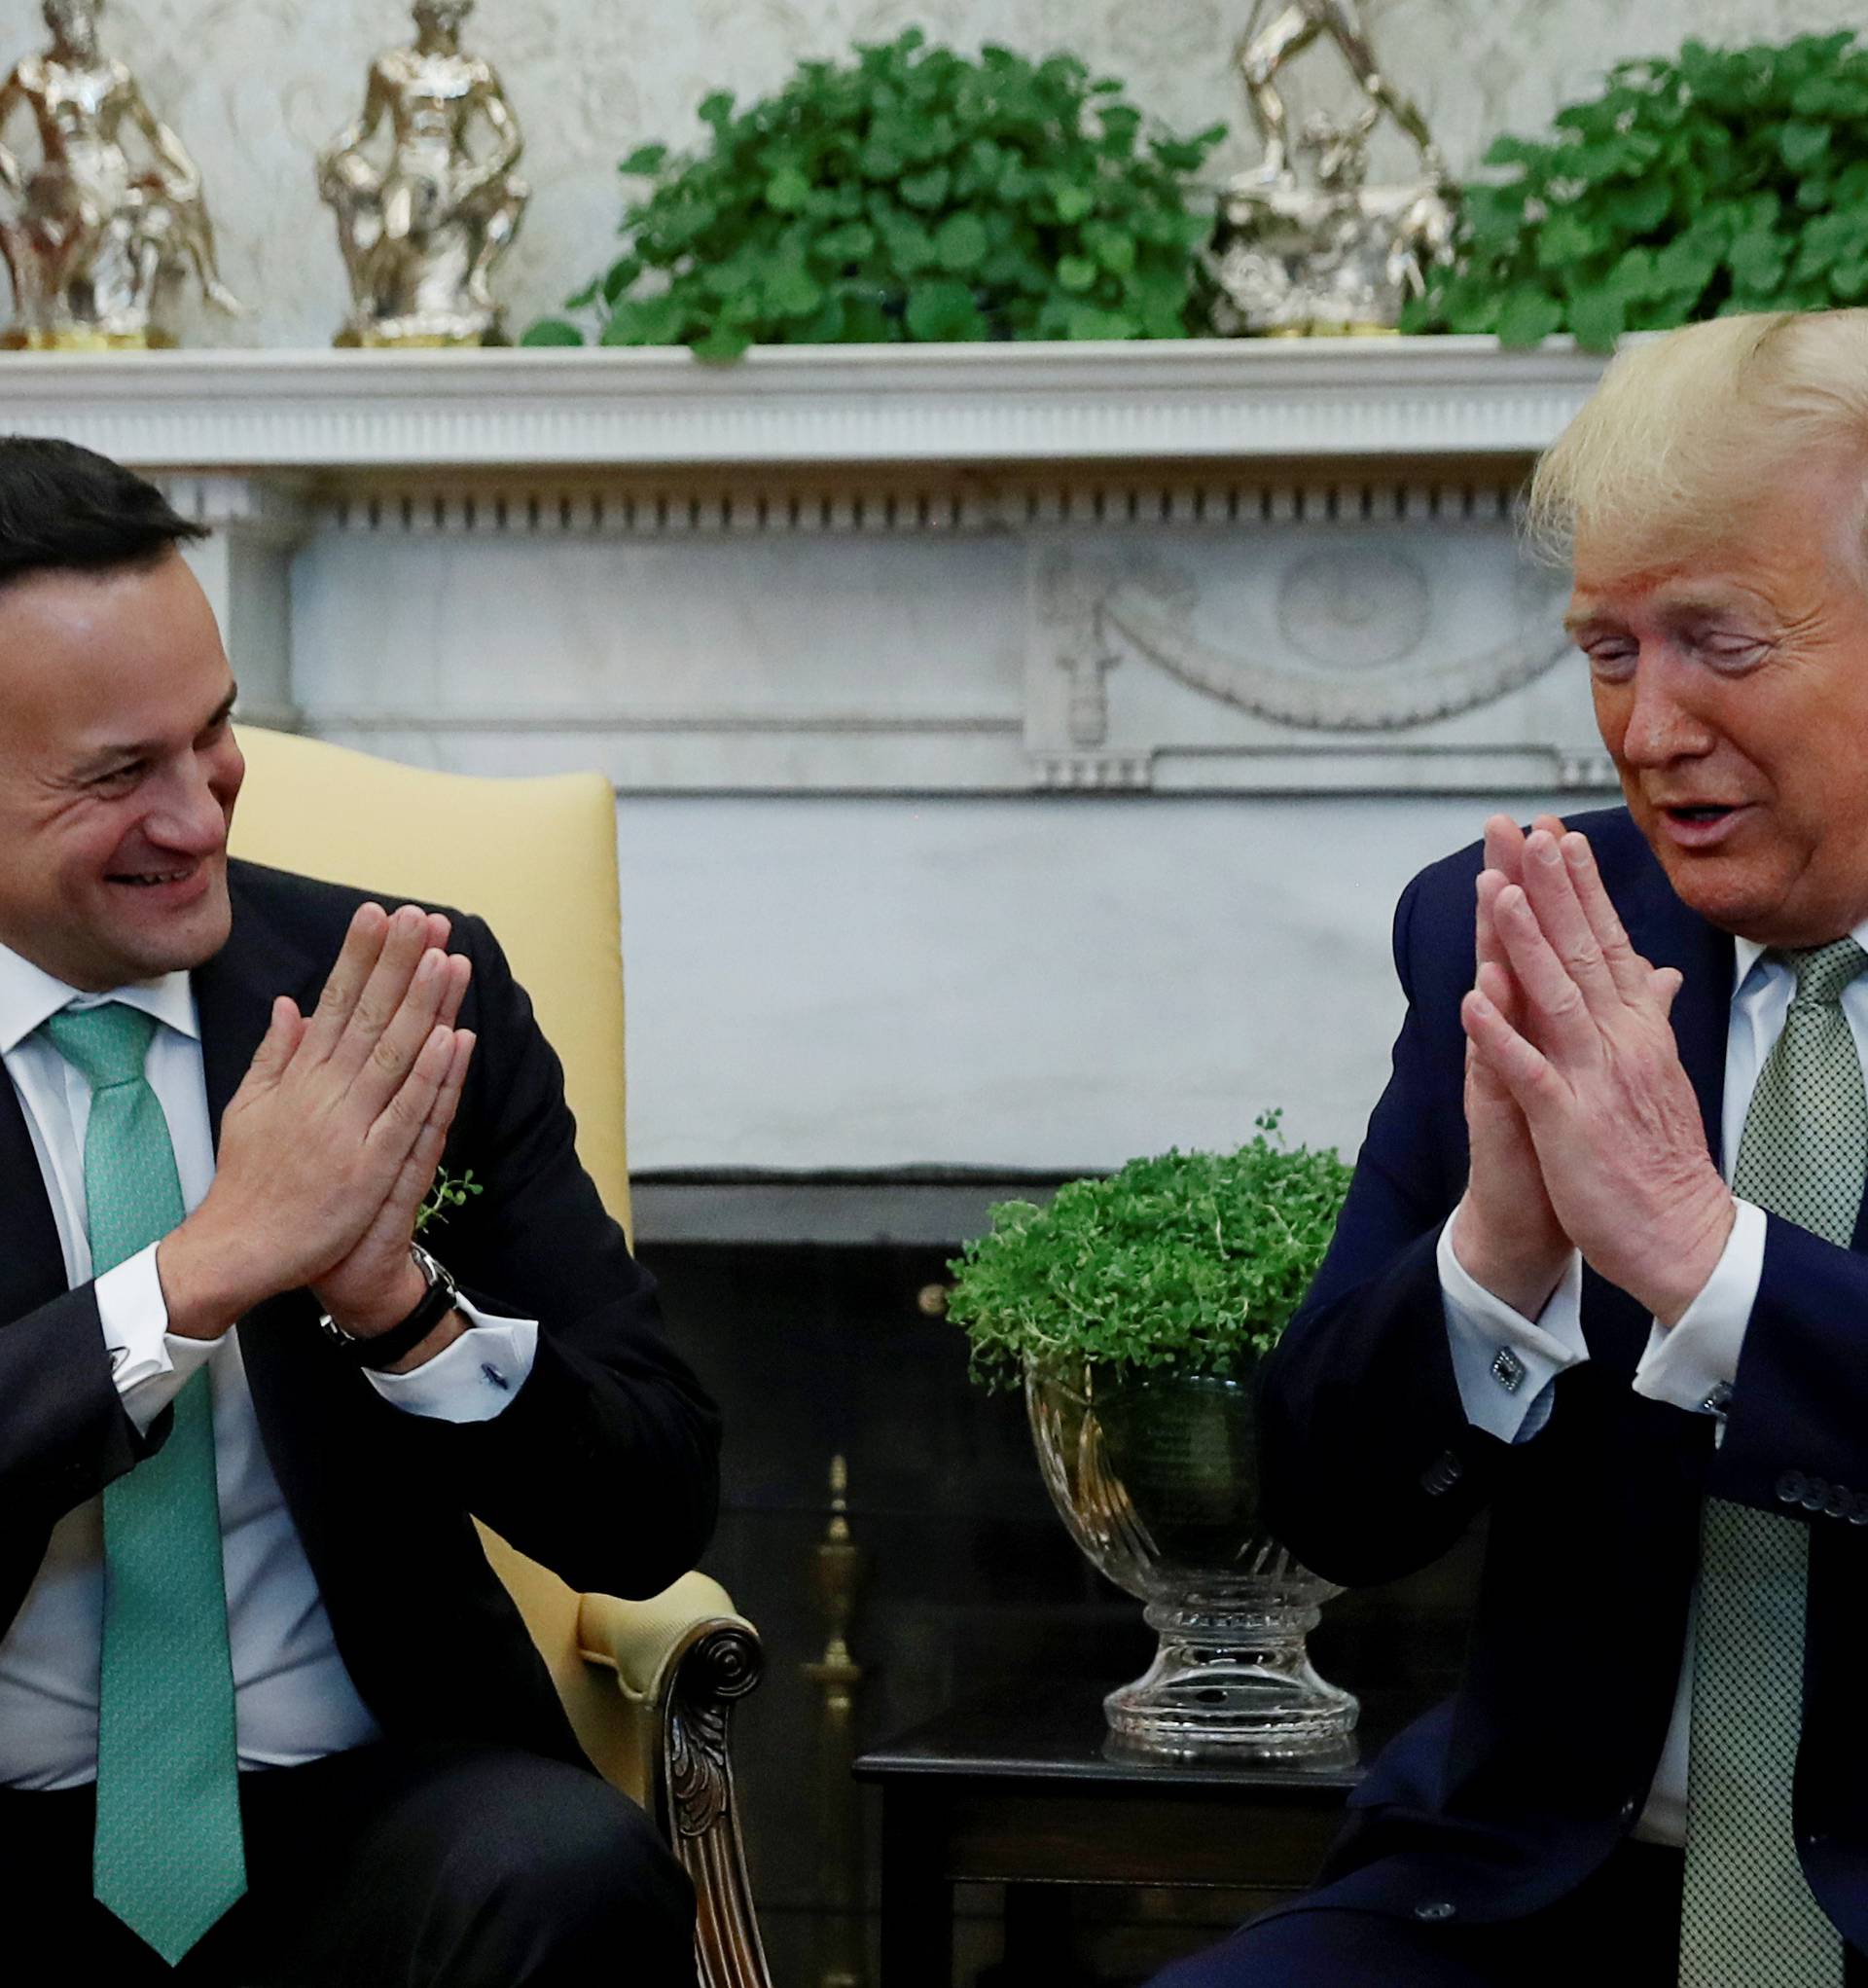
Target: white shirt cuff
{"points": [[1501, 1361], [148, 1362], [1693, 1363], [473, 1379]]}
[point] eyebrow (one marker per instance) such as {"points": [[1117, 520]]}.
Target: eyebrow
{"points": [[1678, 608], [141, 749]]}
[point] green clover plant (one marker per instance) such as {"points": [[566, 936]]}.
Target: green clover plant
{"points": [[911, 193], [1723, 180], [1194, 1261], [445, 1195]]}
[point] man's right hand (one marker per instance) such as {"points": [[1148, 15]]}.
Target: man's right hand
{"points": [[1505, 1234], [315, 1137]]}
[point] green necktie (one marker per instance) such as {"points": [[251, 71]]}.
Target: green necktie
{"points": [[1749, 1915], [167, 1857]]}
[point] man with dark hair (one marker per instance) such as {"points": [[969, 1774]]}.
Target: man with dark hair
{"points": [[267, 1716]]}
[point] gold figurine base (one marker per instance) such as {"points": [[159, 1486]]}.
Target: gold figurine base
{"points": [[350, 340], [18, 340]]}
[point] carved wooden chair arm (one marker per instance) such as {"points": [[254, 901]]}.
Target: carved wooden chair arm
{"points": [[682, 1659]]}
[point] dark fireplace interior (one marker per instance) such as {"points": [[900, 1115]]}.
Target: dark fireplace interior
{"points": [[811, 1312]]}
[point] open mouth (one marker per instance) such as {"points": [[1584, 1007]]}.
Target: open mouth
{"points": [[151, 879], [1701, 825]]}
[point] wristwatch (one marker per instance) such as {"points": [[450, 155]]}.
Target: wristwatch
{"points": [[384, 1349]]}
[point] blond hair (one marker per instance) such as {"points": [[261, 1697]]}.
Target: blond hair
{"points": [[1688, 433]]}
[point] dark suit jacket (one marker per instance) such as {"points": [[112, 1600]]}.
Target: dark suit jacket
{"points": [[603, 1466], [1505, 1798]]}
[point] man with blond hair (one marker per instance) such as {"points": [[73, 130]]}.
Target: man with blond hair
{"points": [[1600, 1274]]}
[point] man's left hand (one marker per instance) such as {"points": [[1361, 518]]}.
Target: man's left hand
{"points": [[1611, 1110], [377, 1284]]}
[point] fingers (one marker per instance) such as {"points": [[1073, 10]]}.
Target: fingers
{"points": [[417, 1178], [1504, 847], [1501, 1050], [398, 1125], [284, 1030], [1630, 971], [1489, 949], [1554, 1007], [378, 1002], [459, 971], [362, 944], [1565, 925]]}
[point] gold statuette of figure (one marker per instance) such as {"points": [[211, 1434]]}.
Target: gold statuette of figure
{"points": [[97, 233], [1305, 245], [421, 225]]}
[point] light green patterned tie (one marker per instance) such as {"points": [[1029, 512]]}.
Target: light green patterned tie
{"points": [[167, 1857], [1749, 1915]]}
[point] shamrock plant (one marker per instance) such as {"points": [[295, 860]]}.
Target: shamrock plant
{"points": [[1194, 1261], [448, 1193], [1723, 180], [911, 193]]}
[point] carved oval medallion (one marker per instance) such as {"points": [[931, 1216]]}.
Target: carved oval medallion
{"points": [[1357, 609]]}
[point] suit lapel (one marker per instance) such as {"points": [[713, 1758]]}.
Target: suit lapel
{"points": [[32, 1262]]}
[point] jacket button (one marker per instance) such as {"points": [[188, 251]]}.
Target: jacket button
{"points": [[1790, 1488], [1630, 1810], [1814, 1491], [1840, 1503], [1435, 1910]]}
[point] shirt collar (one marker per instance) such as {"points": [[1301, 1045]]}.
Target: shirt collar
{"points": [[1749, 951], [28, 994]]}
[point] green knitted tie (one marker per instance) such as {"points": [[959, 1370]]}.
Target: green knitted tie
{"points": [[167, 1856], [1749, 1915]]}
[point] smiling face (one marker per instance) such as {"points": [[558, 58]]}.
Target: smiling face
{"points": [[117, 773], [1731, 689]]}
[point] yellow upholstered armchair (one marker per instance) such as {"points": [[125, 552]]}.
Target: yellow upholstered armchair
{"points": [[649, 1686]]}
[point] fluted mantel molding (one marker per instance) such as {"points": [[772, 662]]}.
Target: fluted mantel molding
{"points": [[1416, 399]]}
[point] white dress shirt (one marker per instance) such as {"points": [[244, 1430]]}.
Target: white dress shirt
{"points": [[293, 1699], [1505, 1363]]}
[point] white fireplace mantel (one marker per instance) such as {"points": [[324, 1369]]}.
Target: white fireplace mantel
{"points": [[1207, 565], [1209, 399], [981, 718]]}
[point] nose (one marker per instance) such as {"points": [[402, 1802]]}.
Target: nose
{"points": [[1658, 725], [190, 818]]}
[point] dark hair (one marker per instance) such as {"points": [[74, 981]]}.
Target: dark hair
{"points": [[66, 509]]}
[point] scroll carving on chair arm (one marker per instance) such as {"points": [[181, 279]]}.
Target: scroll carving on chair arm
{"points": [[694, 1780], [689, 1663]]}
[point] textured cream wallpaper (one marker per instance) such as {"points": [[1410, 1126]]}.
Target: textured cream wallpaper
{"points": [[254, 85]]}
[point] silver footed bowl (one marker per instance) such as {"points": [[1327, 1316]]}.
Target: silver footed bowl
{"points": [[1156, 1476]]}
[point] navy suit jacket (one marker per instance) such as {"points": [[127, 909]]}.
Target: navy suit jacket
{"points": [[603, 1466], [1505, 1798]]}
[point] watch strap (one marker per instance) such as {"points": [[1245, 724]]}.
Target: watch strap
{"points": [[384, 1349]]}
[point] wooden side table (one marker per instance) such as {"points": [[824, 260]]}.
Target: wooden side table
{"points": [[1020, 1790]]}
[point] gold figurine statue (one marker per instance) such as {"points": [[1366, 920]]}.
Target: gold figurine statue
{"points": [[420, 233], [1265, 50], [1304, 245], [95, 239]]}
